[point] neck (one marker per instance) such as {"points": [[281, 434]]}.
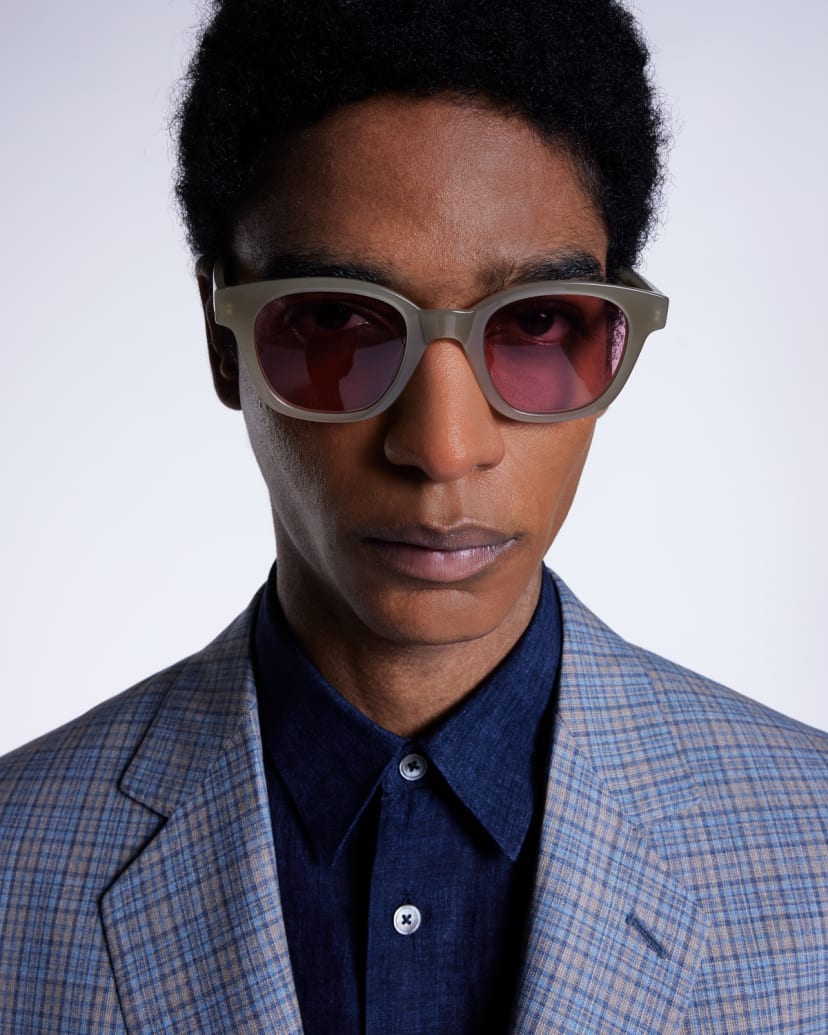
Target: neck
{"points": [[404, 687]]}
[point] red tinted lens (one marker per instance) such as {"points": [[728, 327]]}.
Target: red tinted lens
{"points": [[329, 352], [554, 353]]}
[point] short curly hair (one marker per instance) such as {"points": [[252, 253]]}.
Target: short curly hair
{"points": [[578, 70]]}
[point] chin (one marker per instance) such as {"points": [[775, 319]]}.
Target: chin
{"points": [[442, 616]]}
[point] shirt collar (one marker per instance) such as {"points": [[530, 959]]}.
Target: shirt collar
{"points": [[331, 758]]}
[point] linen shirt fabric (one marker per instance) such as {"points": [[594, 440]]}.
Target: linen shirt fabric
{"points": [[682, 870], [358, 840]]}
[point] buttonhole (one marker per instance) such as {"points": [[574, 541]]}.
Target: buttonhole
{"points": [[633, 921]]}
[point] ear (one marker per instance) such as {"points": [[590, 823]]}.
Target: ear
{"points": [[224, 355]]}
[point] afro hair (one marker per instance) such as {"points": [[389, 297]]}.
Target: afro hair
{"points": [[578, 70]]}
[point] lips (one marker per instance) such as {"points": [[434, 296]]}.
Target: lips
{"points": [[437, 555]]}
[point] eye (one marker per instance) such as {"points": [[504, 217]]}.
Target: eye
{"points": [[544, 321], [312, 320]]}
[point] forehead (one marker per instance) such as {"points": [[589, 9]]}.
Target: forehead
{"points": [[445, 196]]}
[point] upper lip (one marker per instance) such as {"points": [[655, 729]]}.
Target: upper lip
{"points": [[464, 537]]}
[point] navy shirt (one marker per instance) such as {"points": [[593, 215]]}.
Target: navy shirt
{"points": [[406, 866]]}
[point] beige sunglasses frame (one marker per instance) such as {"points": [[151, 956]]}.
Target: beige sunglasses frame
{"points": [[237, 306]]}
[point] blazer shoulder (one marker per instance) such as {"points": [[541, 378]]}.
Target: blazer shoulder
{"points": [[698, 705], [640, 716], [709, 718], [98, 745], [83, 805]]}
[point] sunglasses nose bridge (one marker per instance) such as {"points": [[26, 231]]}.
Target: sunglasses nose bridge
{"points": [[445, 323]]}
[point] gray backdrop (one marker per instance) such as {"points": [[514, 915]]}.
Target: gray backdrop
{"points": [[134, 525]]}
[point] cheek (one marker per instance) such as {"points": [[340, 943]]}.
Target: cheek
{"points": [[284, 451], [306, 466], [553, 462]]}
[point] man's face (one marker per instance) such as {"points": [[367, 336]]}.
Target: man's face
{"points": [[427, 524]]}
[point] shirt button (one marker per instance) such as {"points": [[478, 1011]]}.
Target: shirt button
{"points": [[407, 919], [413, 767]]}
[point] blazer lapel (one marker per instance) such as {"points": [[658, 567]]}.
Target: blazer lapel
{"points": [[194, 925], [614, 941]]}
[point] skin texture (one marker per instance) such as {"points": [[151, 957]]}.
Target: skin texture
{"points": [[451, 203]]}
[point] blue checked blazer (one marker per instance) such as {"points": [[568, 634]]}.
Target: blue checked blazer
{"points": [[682, 880]]}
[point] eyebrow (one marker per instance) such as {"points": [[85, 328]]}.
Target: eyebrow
{"points": [[575, 264], [565, 265], [318, 264]]}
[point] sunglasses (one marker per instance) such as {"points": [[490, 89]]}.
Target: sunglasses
{"points": [[334, 350]]}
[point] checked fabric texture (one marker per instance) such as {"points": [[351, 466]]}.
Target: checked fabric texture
{"points": [[682, 881]]}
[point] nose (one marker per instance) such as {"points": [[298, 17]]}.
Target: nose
{"points": [[442, 423]]}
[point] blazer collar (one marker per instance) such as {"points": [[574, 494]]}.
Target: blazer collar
{"points": [[206, 701], [609, 703], [614, 941], [194, 925]]}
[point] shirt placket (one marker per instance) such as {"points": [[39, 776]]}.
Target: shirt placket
{"points": [[401, 931]]}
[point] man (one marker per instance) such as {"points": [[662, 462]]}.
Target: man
{"points": [[417, 787]]}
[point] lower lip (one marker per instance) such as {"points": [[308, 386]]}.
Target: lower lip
{"points": [[419, 562]]}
